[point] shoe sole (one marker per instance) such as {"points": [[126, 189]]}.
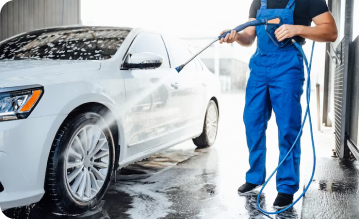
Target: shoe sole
{"points": [[249, 193], [281, 207]]}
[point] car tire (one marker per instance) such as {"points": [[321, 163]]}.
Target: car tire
{"points": [[70, 194], [210, 127]]}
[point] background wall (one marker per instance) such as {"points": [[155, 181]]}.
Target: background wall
{"points": [[20, 16], [353, 130], [354, 91]]}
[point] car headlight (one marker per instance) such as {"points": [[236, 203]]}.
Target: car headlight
{"points": [[17, 103]]}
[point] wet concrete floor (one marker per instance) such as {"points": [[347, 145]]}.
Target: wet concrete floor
{"points": [[185, 182]]}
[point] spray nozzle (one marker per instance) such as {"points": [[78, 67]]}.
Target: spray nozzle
{"points": [[179, 68]]}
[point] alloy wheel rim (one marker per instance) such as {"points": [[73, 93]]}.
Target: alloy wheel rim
{"points": [[87, 162], [212, 123]]}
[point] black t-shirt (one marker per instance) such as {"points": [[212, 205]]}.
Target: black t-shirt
{"points": [[304, 12]]}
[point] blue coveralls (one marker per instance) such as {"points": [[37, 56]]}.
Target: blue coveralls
{"points": [[275, 82]]}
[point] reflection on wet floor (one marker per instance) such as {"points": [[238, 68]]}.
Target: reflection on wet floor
{"points": [[337, 186], [254, 213], [183, 182], [334, 193], [158, 162]]}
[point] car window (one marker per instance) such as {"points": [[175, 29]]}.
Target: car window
{"points": [[153, 43], [179, 54], [84, 43]]}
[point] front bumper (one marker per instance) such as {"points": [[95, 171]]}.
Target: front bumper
{"points": [[24, 150]]}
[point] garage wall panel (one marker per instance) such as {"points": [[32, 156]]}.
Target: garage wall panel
{"points": [[36, 11], [3, 21], [58, 13], [10, 11], [41, 14], [15, 15], [20, 16], [47, 13], [21, 8]]}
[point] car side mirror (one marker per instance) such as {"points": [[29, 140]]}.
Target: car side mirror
{"points": [[143, 60]]}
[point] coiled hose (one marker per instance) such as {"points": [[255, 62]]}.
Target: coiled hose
{"points": [[307, 114]]}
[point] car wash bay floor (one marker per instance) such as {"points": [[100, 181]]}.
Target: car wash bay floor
{"points": [[185, 182]]}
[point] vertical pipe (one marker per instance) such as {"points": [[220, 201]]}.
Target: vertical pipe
{"points": [[318, 107], [326, 77]]}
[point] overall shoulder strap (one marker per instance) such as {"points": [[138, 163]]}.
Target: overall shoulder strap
{"points": [[291, 3], [263, 4]]}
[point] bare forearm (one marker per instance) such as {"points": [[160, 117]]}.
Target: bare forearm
{"points": [[320, 33], [324, 31], [244, 39]]}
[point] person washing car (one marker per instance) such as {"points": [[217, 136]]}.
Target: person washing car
{"points": [[276, 82]]}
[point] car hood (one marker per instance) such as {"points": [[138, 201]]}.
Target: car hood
{"points": [[23, 72]]}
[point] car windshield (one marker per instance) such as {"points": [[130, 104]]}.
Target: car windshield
{"points": [[86, 43]]}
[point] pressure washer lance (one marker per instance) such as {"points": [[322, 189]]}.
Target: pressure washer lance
{"points": [[277, 22], [273, 20]]}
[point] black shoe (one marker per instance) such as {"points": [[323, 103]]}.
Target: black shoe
{"points": [[247, 189], [283, 201]]}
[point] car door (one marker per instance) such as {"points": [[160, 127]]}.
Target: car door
{"points": [[191, 86], [151, 108]]}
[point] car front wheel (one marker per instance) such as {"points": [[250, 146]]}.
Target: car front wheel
{"points": [[80, 164], [210, 127]]}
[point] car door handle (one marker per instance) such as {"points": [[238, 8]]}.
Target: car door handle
{"points": [[175, 85]]}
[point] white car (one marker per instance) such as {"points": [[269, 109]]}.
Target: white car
{"points": [[76, 103]]}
